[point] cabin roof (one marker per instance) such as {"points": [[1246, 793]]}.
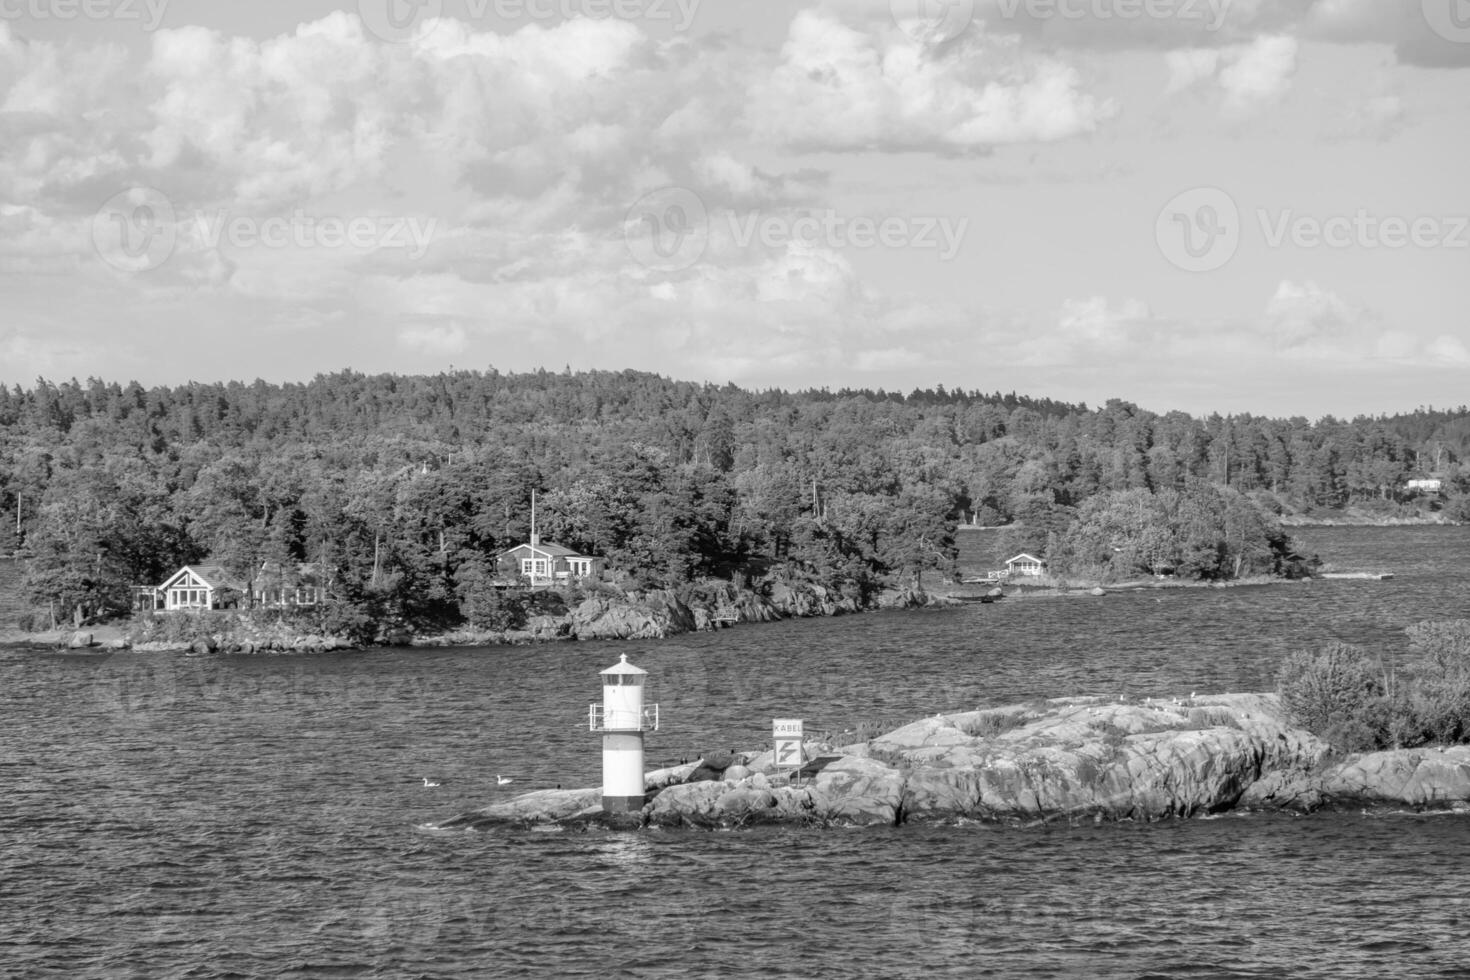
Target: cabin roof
{"points": [[1023, 556], [550, 550], [212, 575]]}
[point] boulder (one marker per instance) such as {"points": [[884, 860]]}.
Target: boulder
{"points": [[81, 640], [1295, 790], [653, 615], [862, 792], [1413, 776], [549, 627], [542, 806]]}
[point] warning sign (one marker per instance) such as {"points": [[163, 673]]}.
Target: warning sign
{"points": [[786, 727], [788, 753]]}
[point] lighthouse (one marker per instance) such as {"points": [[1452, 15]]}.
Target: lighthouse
{"points": [[622, 719]]}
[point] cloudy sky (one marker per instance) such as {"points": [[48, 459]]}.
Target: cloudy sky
{"points": [[1208, 205]]}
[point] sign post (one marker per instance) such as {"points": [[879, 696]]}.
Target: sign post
{"points": [[786, 734]]}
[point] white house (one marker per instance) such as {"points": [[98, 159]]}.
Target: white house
{"points": [[199, 587], [1024, 564], [1431, 485], [209, 586], [551, 564]]}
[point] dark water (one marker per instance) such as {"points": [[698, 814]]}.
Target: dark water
{"points": [[164, 816]]}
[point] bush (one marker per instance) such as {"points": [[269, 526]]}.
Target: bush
{"points": [[1439, 680], [26, 623], [1347, 696], [1338, 693], [180, 627]]}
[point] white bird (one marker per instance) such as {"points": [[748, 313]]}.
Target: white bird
{"points": [[501, 780], [429, 785]]}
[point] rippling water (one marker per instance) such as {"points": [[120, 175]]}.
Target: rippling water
{"points": [[237, 817]]}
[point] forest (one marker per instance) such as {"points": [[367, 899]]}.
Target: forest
{"points": [[409, 488]]}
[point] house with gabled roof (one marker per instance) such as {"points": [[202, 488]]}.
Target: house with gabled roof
{"points": [[205, 586], [209, 586], [1024, 564], [551, 564]]}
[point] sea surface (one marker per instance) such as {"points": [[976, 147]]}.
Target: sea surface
{"points": [[170, 816]]}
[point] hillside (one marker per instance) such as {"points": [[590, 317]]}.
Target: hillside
{"points": [[411, 488]]}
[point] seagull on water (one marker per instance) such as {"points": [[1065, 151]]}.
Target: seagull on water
{"points": [[502, 780], [429, 785]]}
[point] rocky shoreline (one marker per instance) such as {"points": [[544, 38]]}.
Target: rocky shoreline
{"points": [[1068, 759], [656, 614], [639, 615]]}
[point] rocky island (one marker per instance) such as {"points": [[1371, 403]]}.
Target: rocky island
{"points": [[1066, 759]]}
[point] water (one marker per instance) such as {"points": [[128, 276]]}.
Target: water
{"points": [[164, 816]]}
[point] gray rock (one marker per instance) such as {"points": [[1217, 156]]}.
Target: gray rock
{"points": [[1072, 758], [81, 640]]}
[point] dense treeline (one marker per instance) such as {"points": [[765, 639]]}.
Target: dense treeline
{"points": [[409, 487]]}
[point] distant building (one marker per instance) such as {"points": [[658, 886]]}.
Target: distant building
{"points": [[551, 564], [209, 586], [1024, 564], [278, 586], [1430, 485]]}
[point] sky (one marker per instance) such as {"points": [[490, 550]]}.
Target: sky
{"points": [[1205, 205]]}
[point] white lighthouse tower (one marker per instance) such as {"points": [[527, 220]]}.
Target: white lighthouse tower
{"points": [[622, 719]]}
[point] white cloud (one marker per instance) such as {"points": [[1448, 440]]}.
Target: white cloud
{"points": [[1249, 76], [840, 88], [1259, 74]]}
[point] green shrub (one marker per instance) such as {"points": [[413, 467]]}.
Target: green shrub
{"points": [[180, 627], [1338, 693], [1349, 698], [26, 623], [1438, 697], [994, 723]]}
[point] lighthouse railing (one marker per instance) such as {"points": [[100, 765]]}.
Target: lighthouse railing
{"points": [[599, 719]]}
